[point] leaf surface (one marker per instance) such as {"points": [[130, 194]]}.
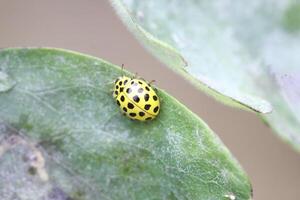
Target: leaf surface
{"points": [[62, 136], [245, 54]]}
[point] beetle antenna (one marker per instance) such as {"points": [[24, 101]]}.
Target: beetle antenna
{"points": [[122, 67]]}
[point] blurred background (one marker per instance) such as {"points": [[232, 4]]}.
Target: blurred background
{"points": [[92, 27]]}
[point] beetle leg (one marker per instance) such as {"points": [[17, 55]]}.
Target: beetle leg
{"points": [[152, 81], [135, 75]]}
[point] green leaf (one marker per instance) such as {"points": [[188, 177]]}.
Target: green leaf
{"points": [[62, 136], [200, 56], [245, 54], [6, 83]]}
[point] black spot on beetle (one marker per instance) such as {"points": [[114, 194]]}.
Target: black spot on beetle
{"points": [[148, 118], [121, 89], [118, 102], [155, 98], [120, 83], [132, 82], [140, 83], [122, 98], [132, 114], [130, 105], [141, 114], [125, 82], [117, 87], [136, 98], [116, 92], [147, 106], [125, 109], [147, 88], [129, 90], [146, 97], [155, 109]]}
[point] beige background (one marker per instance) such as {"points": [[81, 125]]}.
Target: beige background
{"points": [[91, 27]]}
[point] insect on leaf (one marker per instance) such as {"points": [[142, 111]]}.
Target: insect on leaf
{"points": [[62, 136]]}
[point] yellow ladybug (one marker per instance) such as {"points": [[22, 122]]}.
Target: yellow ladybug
{"points": [[136, 98]]}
